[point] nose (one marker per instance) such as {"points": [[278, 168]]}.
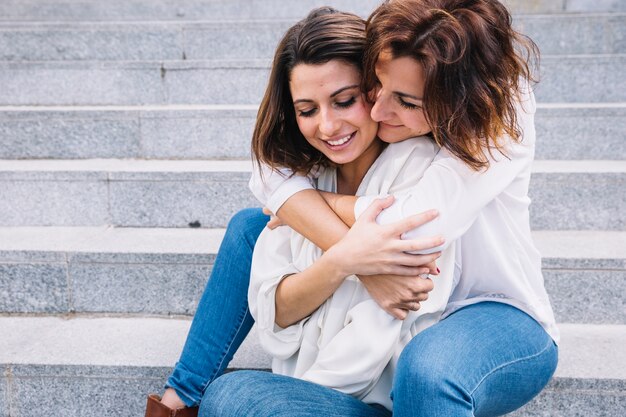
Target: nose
{"points": [[380, 110], [329, 123]]}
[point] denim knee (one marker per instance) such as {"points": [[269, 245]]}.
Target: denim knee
{"points": [[246, 225], [234, 394], [419, 365]]}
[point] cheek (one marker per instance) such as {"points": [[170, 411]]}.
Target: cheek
{"points": [[363, 119], [306, 128], [415, 121]]}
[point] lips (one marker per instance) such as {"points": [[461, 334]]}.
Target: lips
{"points": [[339, 142], [388, 126]]}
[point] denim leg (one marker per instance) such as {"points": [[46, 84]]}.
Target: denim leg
{"points": [[486, 359], [222, 319], [263, 394]]}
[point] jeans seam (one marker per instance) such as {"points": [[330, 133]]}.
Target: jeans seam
{"points": [[225, 352], [526, 358]]}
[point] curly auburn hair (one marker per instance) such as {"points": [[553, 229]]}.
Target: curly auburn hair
{"points": [[474, 63], [324, 35]]}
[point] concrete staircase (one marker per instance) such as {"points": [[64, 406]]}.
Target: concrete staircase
{"points": [[124, 147]]}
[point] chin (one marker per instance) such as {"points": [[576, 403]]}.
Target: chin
{"points": [[390, 138]]}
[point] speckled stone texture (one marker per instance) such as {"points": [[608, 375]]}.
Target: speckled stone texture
{"points": [[570, 397], [69, 199], [578, 79], [577, 201], [112, 10], [179, 200], [83, 391], [4, 394], [596, 6], [582, 79], [180, 10], [220, 134], [67, 135], [561, 201], [568, 133], [34, 288], [575, 34], [95, 42], [145, 288], [53, 282], [587, 296], [562, 133], [555, 35]]}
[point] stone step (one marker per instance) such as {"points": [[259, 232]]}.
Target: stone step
{"points": [[559, 34], [143, 193], [567, 78], [99, 366], [55, 270], [564, 131], [75, 10]]}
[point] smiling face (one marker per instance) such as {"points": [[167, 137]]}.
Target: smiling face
{"points": [[399, 98], [331, 111]]}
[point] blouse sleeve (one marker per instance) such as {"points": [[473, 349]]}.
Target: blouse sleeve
{"points": [[271, 263], [273, 187], [458, 192]]}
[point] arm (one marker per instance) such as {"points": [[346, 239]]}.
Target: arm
{"points": [[460, 193], [342, 205], [358, 251]]}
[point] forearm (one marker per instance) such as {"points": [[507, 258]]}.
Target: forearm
{"points": [[307, 213], [341, 205], [299, 295]]}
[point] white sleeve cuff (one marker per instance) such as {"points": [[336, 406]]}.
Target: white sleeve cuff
{"points": [[273, 187], [285, 190]]}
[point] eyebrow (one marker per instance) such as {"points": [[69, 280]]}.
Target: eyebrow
{"points": [[341, 90], [405, 95]]}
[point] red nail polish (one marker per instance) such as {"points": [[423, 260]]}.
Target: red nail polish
{"points": [[438, 271]]}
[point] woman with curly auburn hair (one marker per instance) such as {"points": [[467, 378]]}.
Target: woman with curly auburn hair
{"points": [[456, 73]]}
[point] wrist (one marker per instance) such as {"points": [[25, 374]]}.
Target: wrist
{"points": [[335, 265]]}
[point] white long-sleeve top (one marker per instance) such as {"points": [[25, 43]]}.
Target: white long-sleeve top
{"points": [[485, 212], [349, 343]]}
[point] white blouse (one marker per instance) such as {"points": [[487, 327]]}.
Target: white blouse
{"points": [[349, 343], [485, 212]]}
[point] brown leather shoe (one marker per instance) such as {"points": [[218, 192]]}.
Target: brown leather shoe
{"points": [[155, 408]]}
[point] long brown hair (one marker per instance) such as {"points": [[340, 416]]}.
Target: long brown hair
{"points": [[324, 35], [473, 62]]}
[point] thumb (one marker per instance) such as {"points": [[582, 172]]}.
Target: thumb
{"points": [[377, 206]]}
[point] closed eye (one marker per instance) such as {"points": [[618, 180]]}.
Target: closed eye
{"points": [[407, 105], [306, 113], [347, 103]]}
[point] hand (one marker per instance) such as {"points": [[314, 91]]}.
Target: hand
{"points": [[370, 249], [274, 221], [398, 295]]}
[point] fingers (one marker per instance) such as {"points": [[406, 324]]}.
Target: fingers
{"points": [[412, 222], [267, 211], [274, 222], [374, 209], [420, 245], [404, 270], [398, 313], [426, 262]]}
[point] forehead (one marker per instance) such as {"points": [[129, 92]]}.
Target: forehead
{"points": [[322, 77], [406, 74]]}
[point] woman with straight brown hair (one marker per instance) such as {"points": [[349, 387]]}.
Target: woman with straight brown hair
{"points": [[455, 70], [449, 69]]}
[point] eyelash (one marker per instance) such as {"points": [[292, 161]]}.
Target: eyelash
{"points": [[408, 106], [340, 104]]}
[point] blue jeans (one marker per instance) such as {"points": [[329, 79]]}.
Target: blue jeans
{"points": [[486, 359], [222, 319]]}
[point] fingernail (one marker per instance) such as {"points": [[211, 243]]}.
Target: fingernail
{"points": [[438, 271]]}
